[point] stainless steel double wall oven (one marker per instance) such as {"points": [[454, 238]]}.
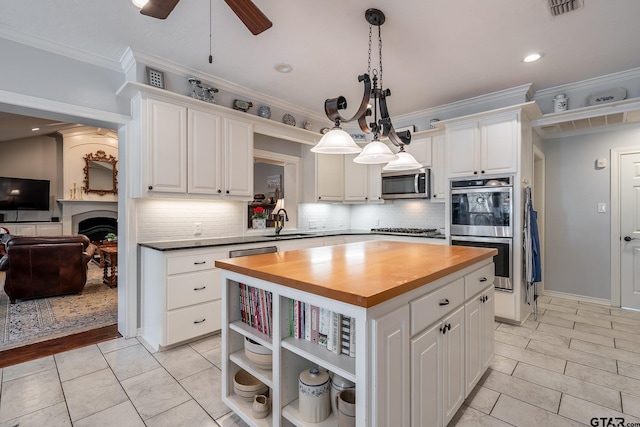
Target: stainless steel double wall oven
{"points": [[481, 216]]}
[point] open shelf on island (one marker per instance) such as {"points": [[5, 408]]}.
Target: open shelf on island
{"points": [[292, 413], [264, 375], [251, 332], [338, 363], [243, 409]]}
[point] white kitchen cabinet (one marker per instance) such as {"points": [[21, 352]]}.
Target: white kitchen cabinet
{"points": [[180, 295], [189, 150], [356, 180], [204, 151], [487, 146], [392, 403], [426, 378], [453, 357], [479, 323], [439, 181], [238, 154], [421, 149], [166, 155], [375, 184], [329, 177]]}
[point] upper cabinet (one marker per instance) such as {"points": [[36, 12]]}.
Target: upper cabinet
{"points": [[488, 146], [188, 150], [439, 179], [421, 149]]}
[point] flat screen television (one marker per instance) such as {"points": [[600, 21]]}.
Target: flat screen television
{"points": [[24, 194]]}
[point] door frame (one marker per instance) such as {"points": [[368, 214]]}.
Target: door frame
{"points": [[616, 285]]}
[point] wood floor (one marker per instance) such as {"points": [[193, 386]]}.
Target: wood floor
{"points": [[58, 345]]}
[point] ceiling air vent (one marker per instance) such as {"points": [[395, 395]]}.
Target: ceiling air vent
{"points": [[559, 7]]}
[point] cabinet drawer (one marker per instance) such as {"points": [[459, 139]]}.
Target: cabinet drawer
{"points": [[190, 263], [193, 288], [433, 306], [191, 322], [478, 280]]}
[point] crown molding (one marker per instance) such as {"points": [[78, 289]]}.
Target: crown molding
{"points": [[59, 49], [221, 84], [592, 83], [127, 60], [478, 101]]}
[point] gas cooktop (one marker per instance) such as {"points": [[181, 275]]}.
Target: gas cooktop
{"points": [[428, 232]]}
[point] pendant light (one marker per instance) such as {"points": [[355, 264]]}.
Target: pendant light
{"points": [[336, 141], [405, 161]]}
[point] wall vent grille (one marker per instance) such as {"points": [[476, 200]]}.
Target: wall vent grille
{"points": [[559, 7]]}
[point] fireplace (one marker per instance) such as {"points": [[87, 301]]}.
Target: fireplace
{"points": [[96, 228]]}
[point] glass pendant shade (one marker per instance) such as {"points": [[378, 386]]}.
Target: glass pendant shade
{"points": [[404, 162], [375, 152], [139, 3], [336, 141]]}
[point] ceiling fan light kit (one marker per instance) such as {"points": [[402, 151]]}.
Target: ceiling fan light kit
{"points": [[376, 152]]}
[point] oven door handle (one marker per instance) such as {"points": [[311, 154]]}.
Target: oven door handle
{"points": [[415, 183]]}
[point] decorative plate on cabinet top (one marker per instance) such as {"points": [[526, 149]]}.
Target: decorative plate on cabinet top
{"points": [[288, 119]]}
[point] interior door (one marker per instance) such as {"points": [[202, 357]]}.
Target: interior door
{"points": [[630, 230]]}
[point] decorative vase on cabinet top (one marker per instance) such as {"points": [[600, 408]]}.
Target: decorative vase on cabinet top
{"points": [[314, 389]]}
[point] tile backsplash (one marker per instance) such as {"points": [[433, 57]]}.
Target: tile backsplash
{"points": [[163, 220]]}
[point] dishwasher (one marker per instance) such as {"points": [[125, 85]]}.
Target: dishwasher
{"points": [[254, 251]]}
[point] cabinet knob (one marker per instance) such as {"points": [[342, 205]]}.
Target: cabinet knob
{"points": [[475, 172], [151, 187], [448, 326], [481, 171], [366, 198], [227, 191], [319, 197], [219, 191]]}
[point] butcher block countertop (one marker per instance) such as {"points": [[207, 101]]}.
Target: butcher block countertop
{"points": [[362, 274]]}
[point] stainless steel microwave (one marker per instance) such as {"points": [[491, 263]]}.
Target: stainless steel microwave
{"points": [[407, 184]]}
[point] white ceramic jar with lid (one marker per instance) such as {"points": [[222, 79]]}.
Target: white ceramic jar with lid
{"points": [[339, 384], [314, 390]]}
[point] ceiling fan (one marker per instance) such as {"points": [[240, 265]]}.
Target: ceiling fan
{"points": [[246, 10]]}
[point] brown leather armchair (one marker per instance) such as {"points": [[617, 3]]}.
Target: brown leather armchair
{"points": [[38, 267]]}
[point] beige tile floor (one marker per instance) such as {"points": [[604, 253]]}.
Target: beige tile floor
{"points": [[576, 362]]}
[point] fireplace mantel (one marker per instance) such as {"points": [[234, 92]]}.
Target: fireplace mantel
{"points": [[74, 211]]}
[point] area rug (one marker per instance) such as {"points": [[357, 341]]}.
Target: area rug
{"points": [[31, 321]]}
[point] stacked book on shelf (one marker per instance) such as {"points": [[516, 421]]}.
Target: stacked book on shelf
{"points": [[256, 308], [329, 329]]}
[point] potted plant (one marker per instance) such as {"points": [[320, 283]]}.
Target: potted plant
{"points": [[111, 237], [259, 217]]}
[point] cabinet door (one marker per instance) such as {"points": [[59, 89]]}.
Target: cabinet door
{"points": [[355, 180], [500, 144], [462, 149], [453, 363], [426, 378], [329, 177], [49, 229], [420, 149], [391, 369], [167, 147], [204, 153], [438, 170], [238, 154], [488, 335], [24, 230], [375, 184], [474, 336]]}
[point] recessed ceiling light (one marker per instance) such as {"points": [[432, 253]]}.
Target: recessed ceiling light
{"points": [[532, 57], [283, 68], [34, 129], [139, 3]]}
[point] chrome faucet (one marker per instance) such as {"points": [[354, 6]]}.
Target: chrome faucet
{"points": [[280, 224]]}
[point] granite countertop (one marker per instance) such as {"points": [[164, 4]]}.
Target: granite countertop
{"points": [[228, 241], [359, 273]]}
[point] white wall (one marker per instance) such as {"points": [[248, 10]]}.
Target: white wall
{"points": [[577, 255]]}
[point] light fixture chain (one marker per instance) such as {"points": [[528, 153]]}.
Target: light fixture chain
{"points": [[369, 57], [380, 53]]}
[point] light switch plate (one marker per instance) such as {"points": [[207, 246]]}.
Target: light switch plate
{"points": [[601, 162], [602, 207]]}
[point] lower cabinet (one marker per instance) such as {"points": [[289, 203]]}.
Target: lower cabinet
{"points": [[479, 321], [34, 228], [180, 296]]}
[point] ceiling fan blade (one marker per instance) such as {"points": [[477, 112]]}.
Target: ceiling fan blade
{"points": [[250, 15], [159, 8]]}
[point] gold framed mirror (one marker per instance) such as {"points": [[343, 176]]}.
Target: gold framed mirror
{"points": [[100, 173]]}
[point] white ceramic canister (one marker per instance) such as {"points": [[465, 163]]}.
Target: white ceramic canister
{"points": [[339, 384], [560, 103], [314, 389]]}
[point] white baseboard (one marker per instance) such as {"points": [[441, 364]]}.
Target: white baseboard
{"points": [[574, 297]]}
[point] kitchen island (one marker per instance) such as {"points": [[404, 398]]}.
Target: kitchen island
{"points": [[423, 316]]}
